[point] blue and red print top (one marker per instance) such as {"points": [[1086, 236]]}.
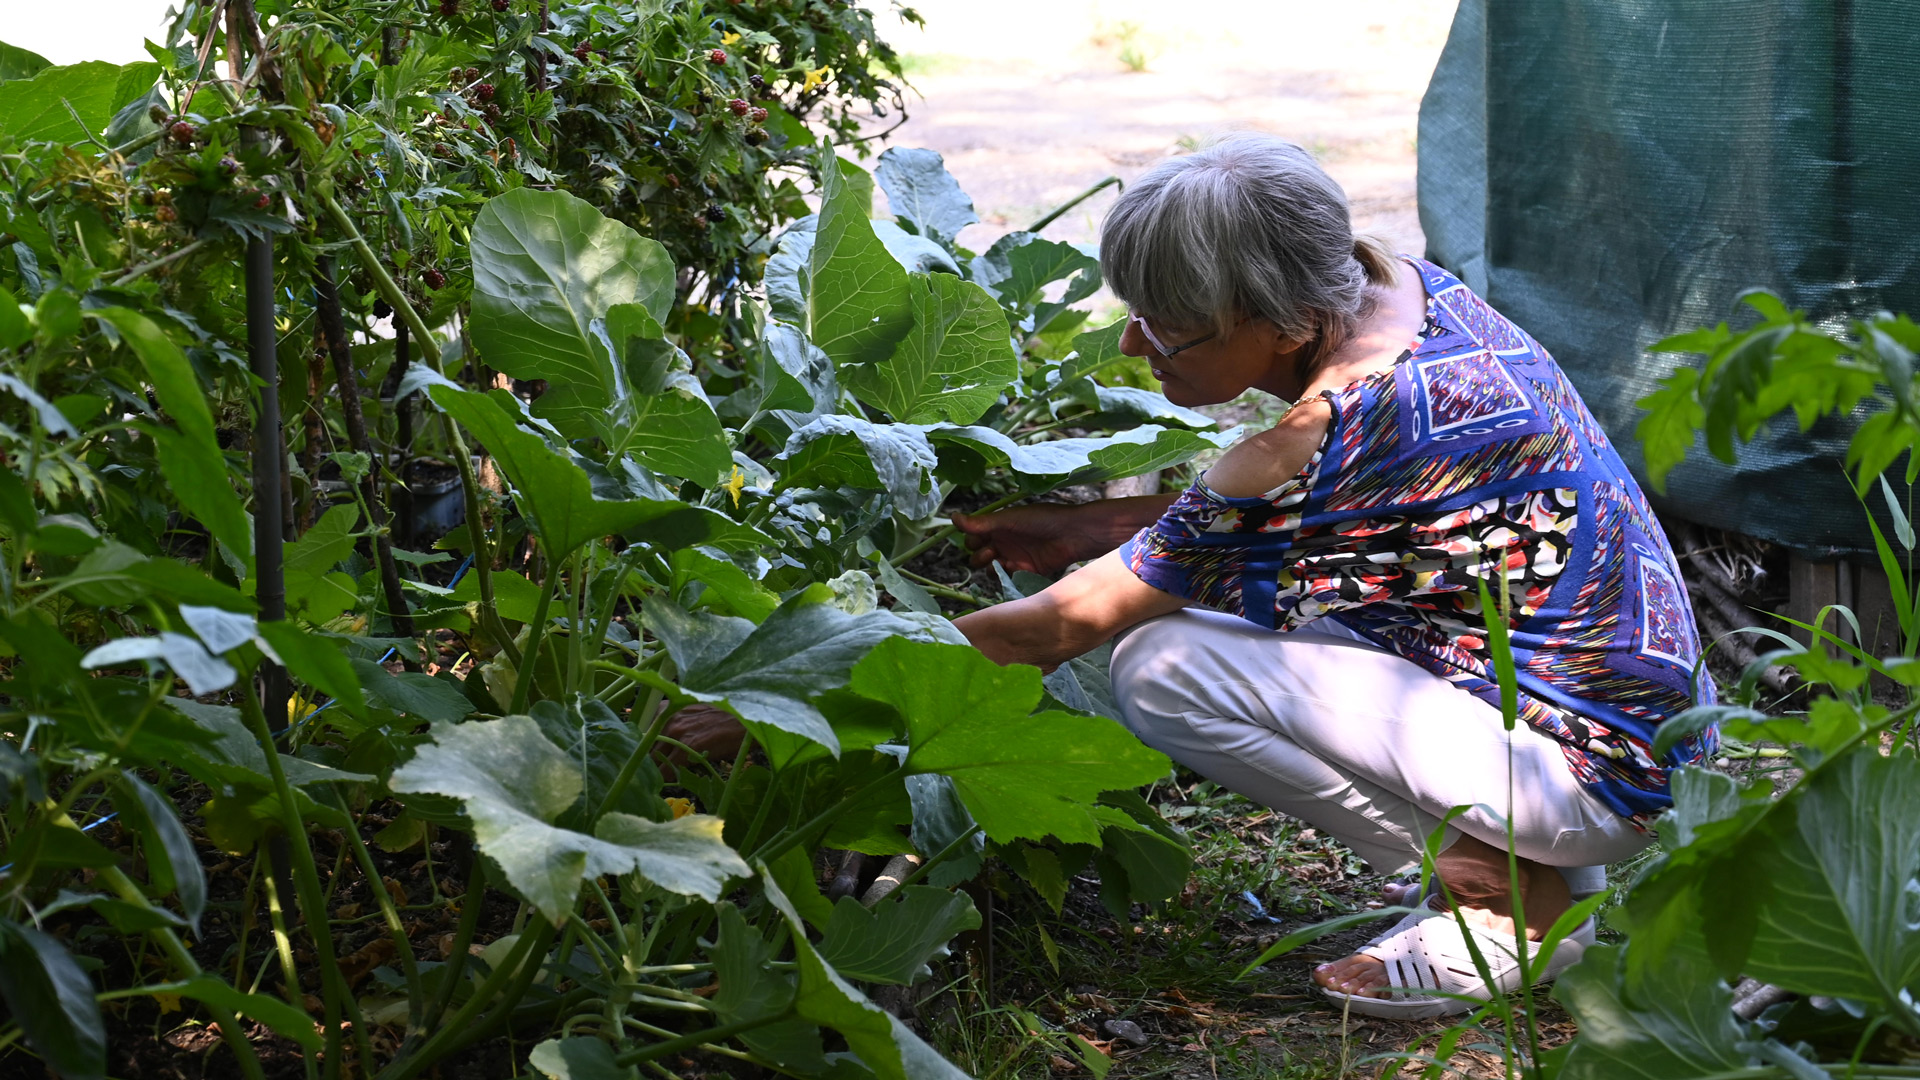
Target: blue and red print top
{"points": [[1472, 454]]}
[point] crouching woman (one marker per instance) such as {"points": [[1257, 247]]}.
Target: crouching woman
{"points": [[1304, 626]]}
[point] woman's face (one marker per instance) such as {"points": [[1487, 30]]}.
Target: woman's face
{"points": [[1251, 355]]}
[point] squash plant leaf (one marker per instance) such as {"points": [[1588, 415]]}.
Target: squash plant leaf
{"points": [[663, 417], [923, 195], [967, 453], [770, 673], [557, 497], [1020, 774], [514, 783], [845, 451], [1680, 1023], [857, 305], [883, 1044], [892, 942], [750, 989], [546, 267], [1843, 859], [950, 366]]}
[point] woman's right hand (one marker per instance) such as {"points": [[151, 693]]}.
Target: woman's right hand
{"points": [[1043, 538]]}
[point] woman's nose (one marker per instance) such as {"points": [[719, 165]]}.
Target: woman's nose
{"points": [[1135, 343]]}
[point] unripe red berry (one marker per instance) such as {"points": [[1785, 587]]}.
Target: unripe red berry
{"points": [[484, 91], [739, 106], [673, 180], [717, 56], [432, 278], [757, 114], [165, 214], [265, 200], [182, 132]]}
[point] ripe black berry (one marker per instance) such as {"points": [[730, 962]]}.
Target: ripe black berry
{"points": [[501, 5], [716, 214], [493, 114], [756, 81], [449, 8], [755, 136], [432, 278], [582, 50], [705, 98], [182, 132], [382, 309], [717, 56], [739, 106]]}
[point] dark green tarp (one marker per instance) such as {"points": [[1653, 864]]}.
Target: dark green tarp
{"points": [[1609, 172]]}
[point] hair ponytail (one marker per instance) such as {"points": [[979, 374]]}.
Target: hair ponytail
{"points": [[1375, 258]]}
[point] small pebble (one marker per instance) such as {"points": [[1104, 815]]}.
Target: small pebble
{"points": [[1126, 1031]]}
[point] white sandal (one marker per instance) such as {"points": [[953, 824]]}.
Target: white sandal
{"points": [[1426, 955]]}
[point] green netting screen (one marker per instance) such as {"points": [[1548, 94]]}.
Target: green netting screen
{"points": [[1608, 172]]}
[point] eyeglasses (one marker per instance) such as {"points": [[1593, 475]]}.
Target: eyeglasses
{"points": [[1166, 351]]}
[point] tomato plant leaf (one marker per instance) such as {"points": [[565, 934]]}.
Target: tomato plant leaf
{"points": [[893, 942], [1020, 775], [513, 783], [172, 863], [52, 1001]]}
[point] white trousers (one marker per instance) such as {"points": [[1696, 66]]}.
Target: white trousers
{"points": [[1358, 742]]}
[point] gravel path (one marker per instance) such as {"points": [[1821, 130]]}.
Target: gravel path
{"points": [[1031, 101]]}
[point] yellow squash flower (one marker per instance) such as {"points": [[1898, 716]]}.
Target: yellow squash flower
{"points": [[816, 77]]}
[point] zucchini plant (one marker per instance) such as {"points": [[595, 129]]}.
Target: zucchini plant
{"points": [[669, 501]]}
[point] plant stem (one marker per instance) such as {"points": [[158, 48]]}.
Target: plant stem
{"points": [[175, 255], [777, 846], [307, 882], [1071, 203], [519, 969], [183, 961], [392, 916], [283, 950], [952, 848], [523, 680], [640, 752], [692, 1041], [471, 903], [948, 531]]}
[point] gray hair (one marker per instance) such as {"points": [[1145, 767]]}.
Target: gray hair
{"points": [[1247, 226]]}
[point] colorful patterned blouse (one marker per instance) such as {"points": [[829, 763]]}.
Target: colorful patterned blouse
{"points": [[1471, 453]]}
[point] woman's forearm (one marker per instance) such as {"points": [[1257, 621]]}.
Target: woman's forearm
{"points": [[1075, 614], [1113, 521]]}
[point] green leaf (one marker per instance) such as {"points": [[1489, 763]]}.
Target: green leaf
{"points": [[836, 451], [883, 1043], [514, 784], [1019, 267], [546, 267], [319, 661], [769, 674], [284, 1019], [52, 1001], [172, 863], [36, 109], [1673, 421], [660, 414], [858, 309], [722, 584], [420, 696], [1148, 406], [516, 597], [923, 195], [1680, 1025], [966, 453], [1021, 775], [953, 363], [557, 497], [1838, 919], [313, 588], [190, 456], [579, 1058], [894, 941], [19, 63], [751, 989], [232, 756]]}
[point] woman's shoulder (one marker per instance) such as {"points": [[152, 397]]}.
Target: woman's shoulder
{"points": [[1257, 466]]}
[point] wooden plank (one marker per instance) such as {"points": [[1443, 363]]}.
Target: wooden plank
{"points": [[1811, 586]]}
